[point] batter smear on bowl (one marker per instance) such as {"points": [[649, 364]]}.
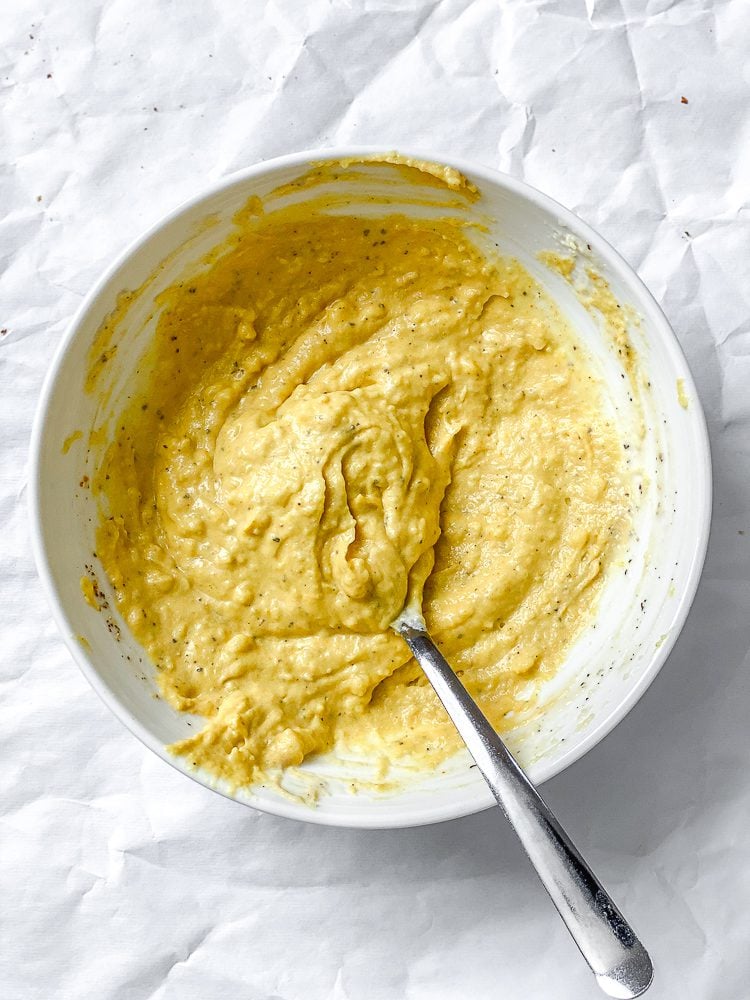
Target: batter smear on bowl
{"points": [[347, 414]]}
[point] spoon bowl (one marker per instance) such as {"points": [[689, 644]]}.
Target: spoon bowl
{"points": [[641, 612]]}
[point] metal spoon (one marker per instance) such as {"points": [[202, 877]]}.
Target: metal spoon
{"points": [[617, 958]]}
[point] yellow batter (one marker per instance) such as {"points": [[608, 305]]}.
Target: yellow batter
{"points": [[348, 415]]}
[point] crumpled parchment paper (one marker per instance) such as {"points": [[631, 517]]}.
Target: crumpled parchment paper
{"points": [[122, 879]]}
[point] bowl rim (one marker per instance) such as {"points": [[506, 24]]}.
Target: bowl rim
{"points": [[422, 813]]}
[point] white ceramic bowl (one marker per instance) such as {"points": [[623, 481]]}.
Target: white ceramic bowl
{"points": [[641, 613]]}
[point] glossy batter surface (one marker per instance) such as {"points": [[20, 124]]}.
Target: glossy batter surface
{"points": [[347, 415]]}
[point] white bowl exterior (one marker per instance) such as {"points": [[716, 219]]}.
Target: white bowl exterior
{"points": [[640, 616]]}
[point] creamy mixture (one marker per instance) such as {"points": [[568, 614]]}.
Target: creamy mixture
{"points": [[348, 415]]}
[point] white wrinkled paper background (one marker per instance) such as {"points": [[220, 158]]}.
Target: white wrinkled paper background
{"points": [[121, 878]]}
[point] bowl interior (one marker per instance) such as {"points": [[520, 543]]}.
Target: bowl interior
{"points": [[641, 609]]}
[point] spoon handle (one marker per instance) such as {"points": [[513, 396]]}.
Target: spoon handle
{"points": [[615, 955]]}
